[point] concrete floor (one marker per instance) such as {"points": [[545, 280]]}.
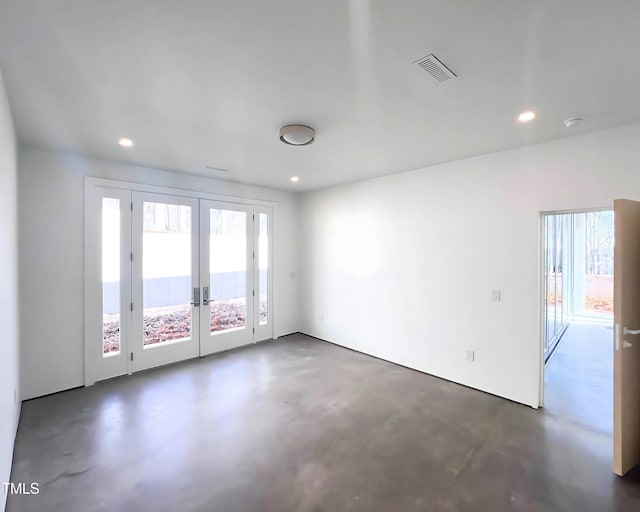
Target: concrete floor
{"points": [[579, 376], [303, 425]]}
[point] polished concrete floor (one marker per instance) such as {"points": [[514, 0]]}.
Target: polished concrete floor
{"points": [[302, 425], [579, 375]]}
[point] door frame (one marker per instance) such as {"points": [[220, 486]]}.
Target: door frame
{"points": [[541, 286], [91, 185]]}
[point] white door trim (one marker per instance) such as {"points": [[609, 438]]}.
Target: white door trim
{"points": [[141, 187]]}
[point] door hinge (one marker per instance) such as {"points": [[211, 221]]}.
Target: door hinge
{"points": [[131, 256], [253, 255], [254, 330], [132, 206], [132, 356], [131, 306], [254, 293], [254, 217]]}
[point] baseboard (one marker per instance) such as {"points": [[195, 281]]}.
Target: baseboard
{"points": [[422, 371]]}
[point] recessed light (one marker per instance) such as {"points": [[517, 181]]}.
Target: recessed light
{"points": [[125, 143], [527, 116], [295, 179]]}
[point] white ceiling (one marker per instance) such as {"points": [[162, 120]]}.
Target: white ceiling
{"points": [[205, 82]]}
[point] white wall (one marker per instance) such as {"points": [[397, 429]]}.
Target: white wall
{"points": [[9, 388], [402, 267], [50, 189]]}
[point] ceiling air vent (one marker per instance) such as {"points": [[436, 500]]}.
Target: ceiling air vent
{"points": [[438, 71]]}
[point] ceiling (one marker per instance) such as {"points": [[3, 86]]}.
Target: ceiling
{"points": [[199, 83]]}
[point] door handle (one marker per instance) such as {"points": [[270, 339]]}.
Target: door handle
{"points": [[625, 343], [196, 297], [205, 295]]}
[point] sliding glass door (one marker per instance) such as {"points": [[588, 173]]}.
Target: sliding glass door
{"points": [[558, 278]]}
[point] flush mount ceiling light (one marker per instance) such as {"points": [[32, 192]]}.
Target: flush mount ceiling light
{"points": [[525, 117], [297, 135], [125, 142], [572, 121]]}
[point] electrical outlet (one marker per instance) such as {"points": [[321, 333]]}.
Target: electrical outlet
{"points": [[471, 356], [496, 295]]}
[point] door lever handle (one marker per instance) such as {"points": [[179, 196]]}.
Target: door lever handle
{"points": [[630, 331], [205, 296]]}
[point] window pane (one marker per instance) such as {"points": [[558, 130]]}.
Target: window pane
{"points": [[166, 271], [599, 243], [228, 269], [263, 267], [558, 273], [110, 276]]}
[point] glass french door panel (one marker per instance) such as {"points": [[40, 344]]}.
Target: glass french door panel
{"points": [[263, 268], [167, 273], [111, 286], [228, 270]]}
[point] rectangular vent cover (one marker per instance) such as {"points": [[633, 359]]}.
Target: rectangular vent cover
{"points": [[438, 71]]}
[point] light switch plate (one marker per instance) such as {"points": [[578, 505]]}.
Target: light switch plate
{"points": [[471, 356]]}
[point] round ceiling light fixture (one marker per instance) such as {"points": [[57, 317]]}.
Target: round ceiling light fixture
{"points": [[297, 135], [572, 121]]}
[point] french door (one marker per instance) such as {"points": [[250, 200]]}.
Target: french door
{"points": [[226, 270], [170, 277], [165, 318]]}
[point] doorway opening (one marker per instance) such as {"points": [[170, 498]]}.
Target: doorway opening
{"points": [[578, 317]]}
